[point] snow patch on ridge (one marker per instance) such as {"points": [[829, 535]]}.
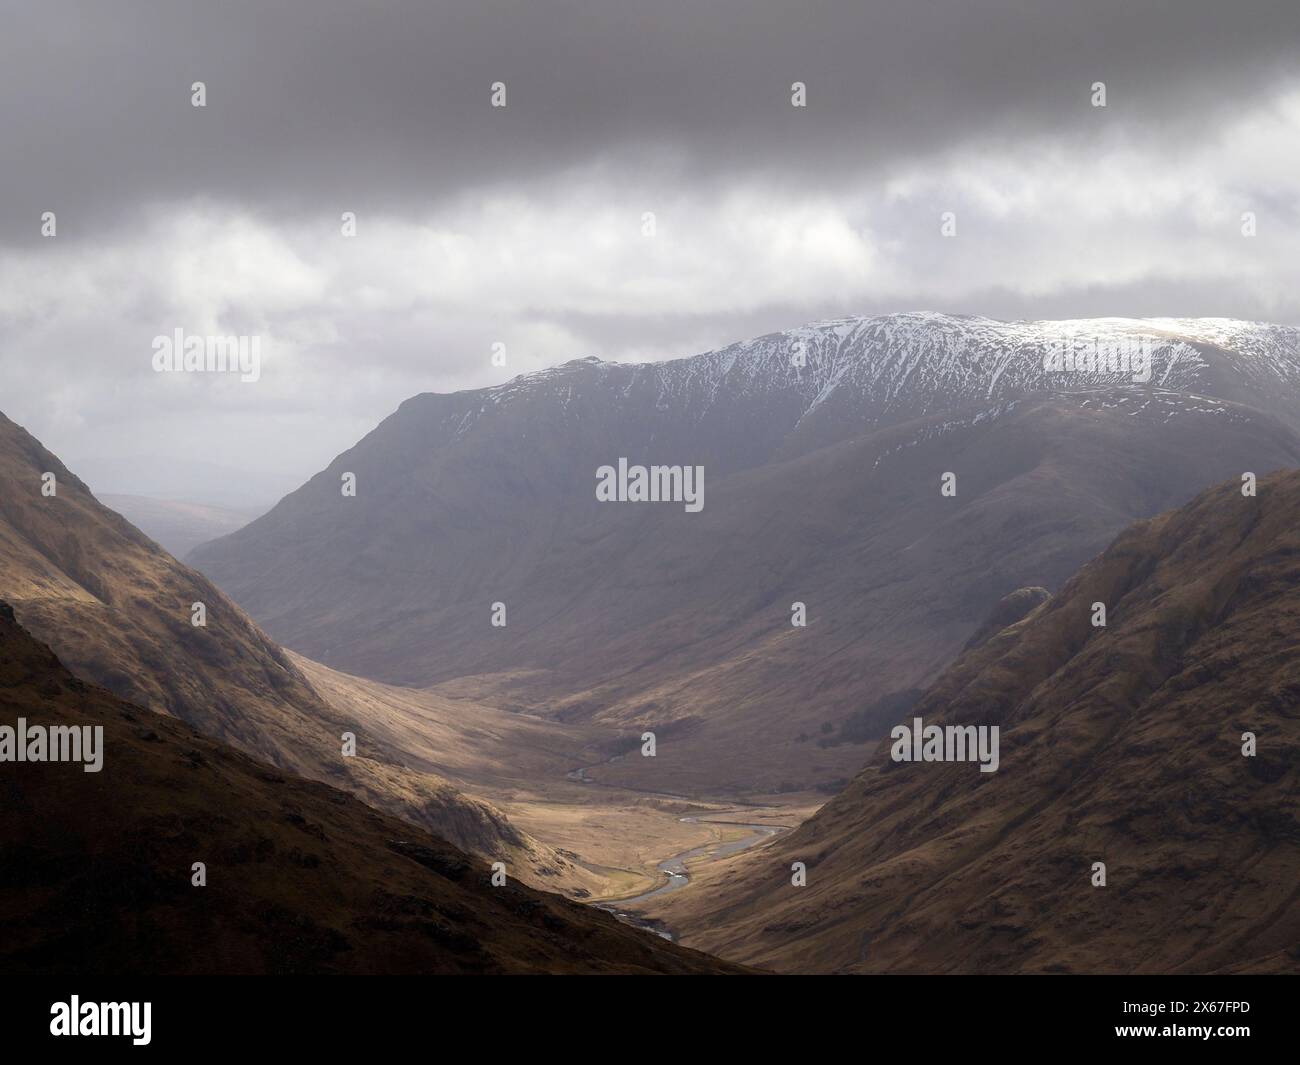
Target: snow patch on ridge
{"points": [[889, 367]]}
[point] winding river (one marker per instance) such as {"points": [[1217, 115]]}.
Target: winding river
{"points": [[675, 870]]}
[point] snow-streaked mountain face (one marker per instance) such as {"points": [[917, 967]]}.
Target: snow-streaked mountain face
{"points": [[923, 362], [822, 450], [806, 387]]}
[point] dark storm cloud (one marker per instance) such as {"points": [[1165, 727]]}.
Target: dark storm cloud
{"points": [[321, 105], [523, 226]]}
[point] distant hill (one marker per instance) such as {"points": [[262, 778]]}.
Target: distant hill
{"points": [[176, 525]]}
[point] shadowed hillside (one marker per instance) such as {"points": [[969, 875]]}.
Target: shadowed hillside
{"points": [[117, 610], [1121, 745], [300, 877]]}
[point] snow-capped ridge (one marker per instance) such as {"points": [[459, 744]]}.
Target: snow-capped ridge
{"points": [[883, 368]]}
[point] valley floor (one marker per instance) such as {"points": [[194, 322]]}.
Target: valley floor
{"points": [[624, 839]]}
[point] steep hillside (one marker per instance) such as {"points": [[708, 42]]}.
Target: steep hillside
{"points": [[117, 609], [300, 878], [1120, 744], [823, 451]]}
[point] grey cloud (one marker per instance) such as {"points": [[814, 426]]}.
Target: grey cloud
{"points": [[320, 105]]}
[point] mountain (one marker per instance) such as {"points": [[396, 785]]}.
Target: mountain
{"points": [[117, 609], [300, 877], [178, 526], [824, 451], [1124, 744]]}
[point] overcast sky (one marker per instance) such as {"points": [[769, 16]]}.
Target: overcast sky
{"points": [[523, 225]]}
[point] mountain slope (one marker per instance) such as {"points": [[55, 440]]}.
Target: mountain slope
{"points": [[299, 877], [117, 610], [1121, 745], [822, 486]]}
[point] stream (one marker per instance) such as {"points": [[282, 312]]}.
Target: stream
{"points": [[678, 877]]}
